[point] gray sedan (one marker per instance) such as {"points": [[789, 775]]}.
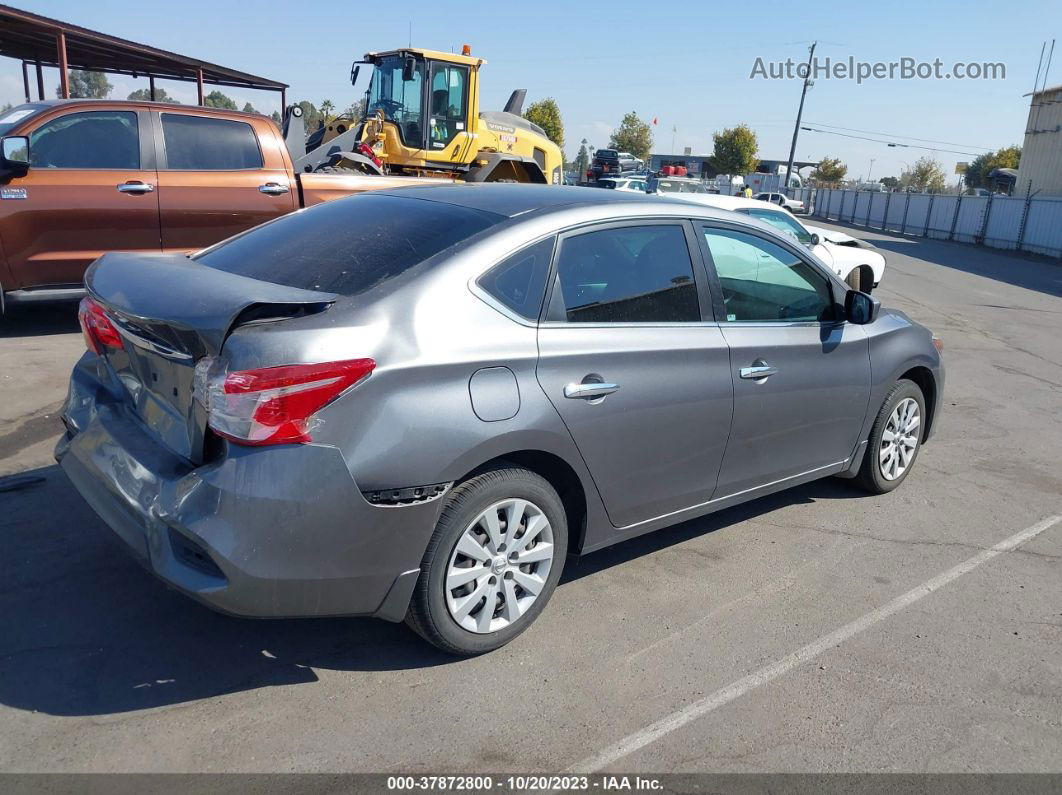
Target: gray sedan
{"points": [[414, 404]]}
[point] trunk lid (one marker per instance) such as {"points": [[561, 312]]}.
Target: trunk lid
{"points": [[171, 312]]}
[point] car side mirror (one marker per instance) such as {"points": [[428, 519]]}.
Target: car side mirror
{"points": [[815, 239], [409, 68], [860, 308], [14, 151]]}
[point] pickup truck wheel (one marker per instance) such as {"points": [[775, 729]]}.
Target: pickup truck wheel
{"points": [[492, 564], [894, 440]]}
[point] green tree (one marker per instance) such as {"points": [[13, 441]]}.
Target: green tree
{"points": [[328, 109], [355, 110], [829, 171], [6, 108], [215, 99], [633, 135], [249, 108], [144, 95], [546, 115], [89, 85], [311, 116], [276, 117], [582, 159], [735, 150], [890, 182], [926, 174], [981, 166]]}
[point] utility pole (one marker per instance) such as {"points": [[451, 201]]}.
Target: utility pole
{"points": [[800, 112], [871, 168]]}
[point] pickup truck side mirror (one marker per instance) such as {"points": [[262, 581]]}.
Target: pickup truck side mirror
{"points": [[860, 308], [14, 155]]}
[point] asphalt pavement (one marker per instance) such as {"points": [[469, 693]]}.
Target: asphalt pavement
{"points": [[814, 630]]}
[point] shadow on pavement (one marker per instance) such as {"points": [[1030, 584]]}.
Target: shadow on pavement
{"points": [[1030, 271], [84, 630], [37, 320]]}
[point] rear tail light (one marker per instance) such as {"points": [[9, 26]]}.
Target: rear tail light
{"points": [[273, 405], [938, 343], [96, 327]]}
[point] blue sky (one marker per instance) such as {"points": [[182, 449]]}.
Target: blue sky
{"points": [[687, 64]]}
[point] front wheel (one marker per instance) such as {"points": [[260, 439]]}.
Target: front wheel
{"points": [[493, 562], [895, 439]]}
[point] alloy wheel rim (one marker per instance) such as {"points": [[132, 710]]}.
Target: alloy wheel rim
{"points": [[499, 566], [899, 440]]}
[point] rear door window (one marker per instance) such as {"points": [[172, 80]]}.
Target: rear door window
{"points": [[634, 274], [98, 139], [348, 246], [201, 143]]}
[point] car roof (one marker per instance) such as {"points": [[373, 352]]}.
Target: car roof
{"points": [[512, 200]]}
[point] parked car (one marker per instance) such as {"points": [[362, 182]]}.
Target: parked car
{"points": [[414, 404], [857, 262], [605, 163], [668, 185], [629, 163], [793, 205], [631, 184], [84, 176]]}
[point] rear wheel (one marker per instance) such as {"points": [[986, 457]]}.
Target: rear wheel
{"points": [[493, 562], [895, 439]]}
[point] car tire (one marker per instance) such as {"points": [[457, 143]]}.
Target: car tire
{"points": [[890, 456], [448, 617]]}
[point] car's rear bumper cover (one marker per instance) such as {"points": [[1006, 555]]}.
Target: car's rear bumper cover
{"points": [[284, 531]]}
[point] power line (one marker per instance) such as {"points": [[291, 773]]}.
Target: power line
{"points": [[891, 143], [890, 135]]}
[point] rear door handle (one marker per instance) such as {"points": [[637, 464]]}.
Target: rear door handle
{"points": [[135, 187], [273, 188], [589, 391], [760, 370]]}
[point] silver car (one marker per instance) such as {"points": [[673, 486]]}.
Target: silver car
{"points": [[414, 404]]}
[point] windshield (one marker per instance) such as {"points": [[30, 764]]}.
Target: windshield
{"points": [[783, 222], [14, 115], [675, 186], [400, 100]]}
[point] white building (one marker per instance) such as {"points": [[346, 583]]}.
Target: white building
{"points": [[1041, 154]]}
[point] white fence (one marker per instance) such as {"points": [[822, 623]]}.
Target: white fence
{"points": [[1012, 222]]}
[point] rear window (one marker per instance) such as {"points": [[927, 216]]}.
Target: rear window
{"points": [[348, 246]]}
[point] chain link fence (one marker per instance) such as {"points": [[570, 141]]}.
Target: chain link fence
{"points": [[1021, 223]]}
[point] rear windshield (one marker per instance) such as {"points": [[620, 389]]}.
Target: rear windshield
{"points": [[348, 246]]}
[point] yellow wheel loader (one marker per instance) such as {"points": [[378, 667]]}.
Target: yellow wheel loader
{"points": [[422, 119]]}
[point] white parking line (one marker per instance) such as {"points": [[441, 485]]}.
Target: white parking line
{"points": [[676, 720]]}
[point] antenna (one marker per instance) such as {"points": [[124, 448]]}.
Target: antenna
{"points": [[410, 33]]}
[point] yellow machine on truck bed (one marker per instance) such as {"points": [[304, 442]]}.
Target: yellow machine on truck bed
{"points": [[422, 119]]}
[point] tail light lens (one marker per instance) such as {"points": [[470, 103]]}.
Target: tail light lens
{"points": [[273, 405], [96, 327]]}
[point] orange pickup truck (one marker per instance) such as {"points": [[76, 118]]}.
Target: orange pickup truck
{"points": [[80, 177]]}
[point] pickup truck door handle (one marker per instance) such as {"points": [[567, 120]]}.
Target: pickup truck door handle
{"points": [[589, 391], [273, 188], [760, 371], [135, 187]]}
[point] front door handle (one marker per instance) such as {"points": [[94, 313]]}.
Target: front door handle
{"points": [[273, 188], [760, 371], [135, 187], [589, 391]]}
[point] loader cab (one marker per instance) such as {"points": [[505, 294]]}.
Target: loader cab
{"points": [[428, 99]]}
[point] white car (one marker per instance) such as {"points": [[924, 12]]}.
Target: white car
{"points": [[793, 205], [857, 262], [630, 184]]}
